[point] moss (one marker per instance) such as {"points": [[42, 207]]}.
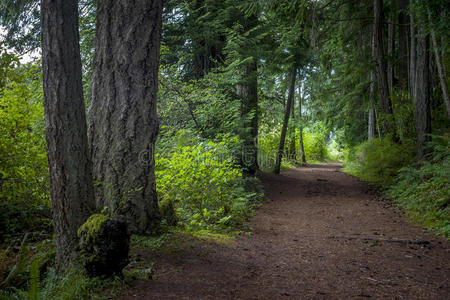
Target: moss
{"points": [[90, 229], [103, 245], [167, 211]]}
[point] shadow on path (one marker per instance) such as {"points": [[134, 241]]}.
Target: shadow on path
{"points": [[321, 234]]}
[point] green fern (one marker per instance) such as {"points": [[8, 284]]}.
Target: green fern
{"points": [[35, 284]]}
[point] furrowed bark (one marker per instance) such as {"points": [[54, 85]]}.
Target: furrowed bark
{"points": [[70, 167], [123, 120]]}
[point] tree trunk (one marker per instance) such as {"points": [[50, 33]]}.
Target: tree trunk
{"points": [[302, 149], [412, 54], [380, 61], [247, 91], [390, 51], [286, 119], [403, 44], [441, 70], [372, 120], [292, 151], [423, 114], [123, 120], [70, 168]]}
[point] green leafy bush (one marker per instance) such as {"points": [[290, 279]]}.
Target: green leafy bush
{"points": [[424, 191], [23, 168], [204, 185], [316, 148], [378, 161], [314, 143]]}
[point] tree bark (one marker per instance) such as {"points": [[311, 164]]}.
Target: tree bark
{"points": [[402, 44], [288, 106], [441, 70], [70, 168], [372, 120], [412, 54], [302, 149], [423, 113], [390, 51], [123, 120], [292, 151], [247, 91], [380, 62]]}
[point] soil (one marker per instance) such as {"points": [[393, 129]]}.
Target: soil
{"points": [[321, 234]]}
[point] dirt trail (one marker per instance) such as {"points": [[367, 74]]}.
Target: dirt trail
{"points": [[322, 234]]}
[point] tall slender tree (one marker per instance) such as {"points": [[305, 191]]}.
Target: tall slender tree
{"points": [[422, 100], [292, 75], [402, 48], [292, 150], [412, 51], [441, 68], [300, 122], [123, 120], [247, 91], [372, 107], [380, 62], [70, 167], [390, 46]]}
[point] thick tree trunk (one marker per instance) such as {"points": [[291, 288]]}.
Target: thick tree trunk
{"points": [[247, 91], [70, 168], [403, 44], [380, 61], [423, 113], [123, 120], [302, 148], [441, 70], [293, 73]]}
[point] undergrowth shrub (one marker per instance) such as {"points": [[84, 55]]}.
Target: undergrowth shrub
{"points": [[378, 161], [73, 285], [424, 191], [24, 197], [32, 276], [314, 143], [205, 187]]}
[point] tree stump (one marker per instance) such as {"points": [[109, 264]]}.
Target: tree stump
{"points": [[103, 245]]}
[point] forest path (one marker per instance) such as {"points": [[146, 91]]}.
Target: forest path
{"points": [[321, 234]]}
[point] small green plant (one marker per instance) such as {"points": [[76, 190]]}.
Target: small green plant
{"points": [[150, 242]]}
